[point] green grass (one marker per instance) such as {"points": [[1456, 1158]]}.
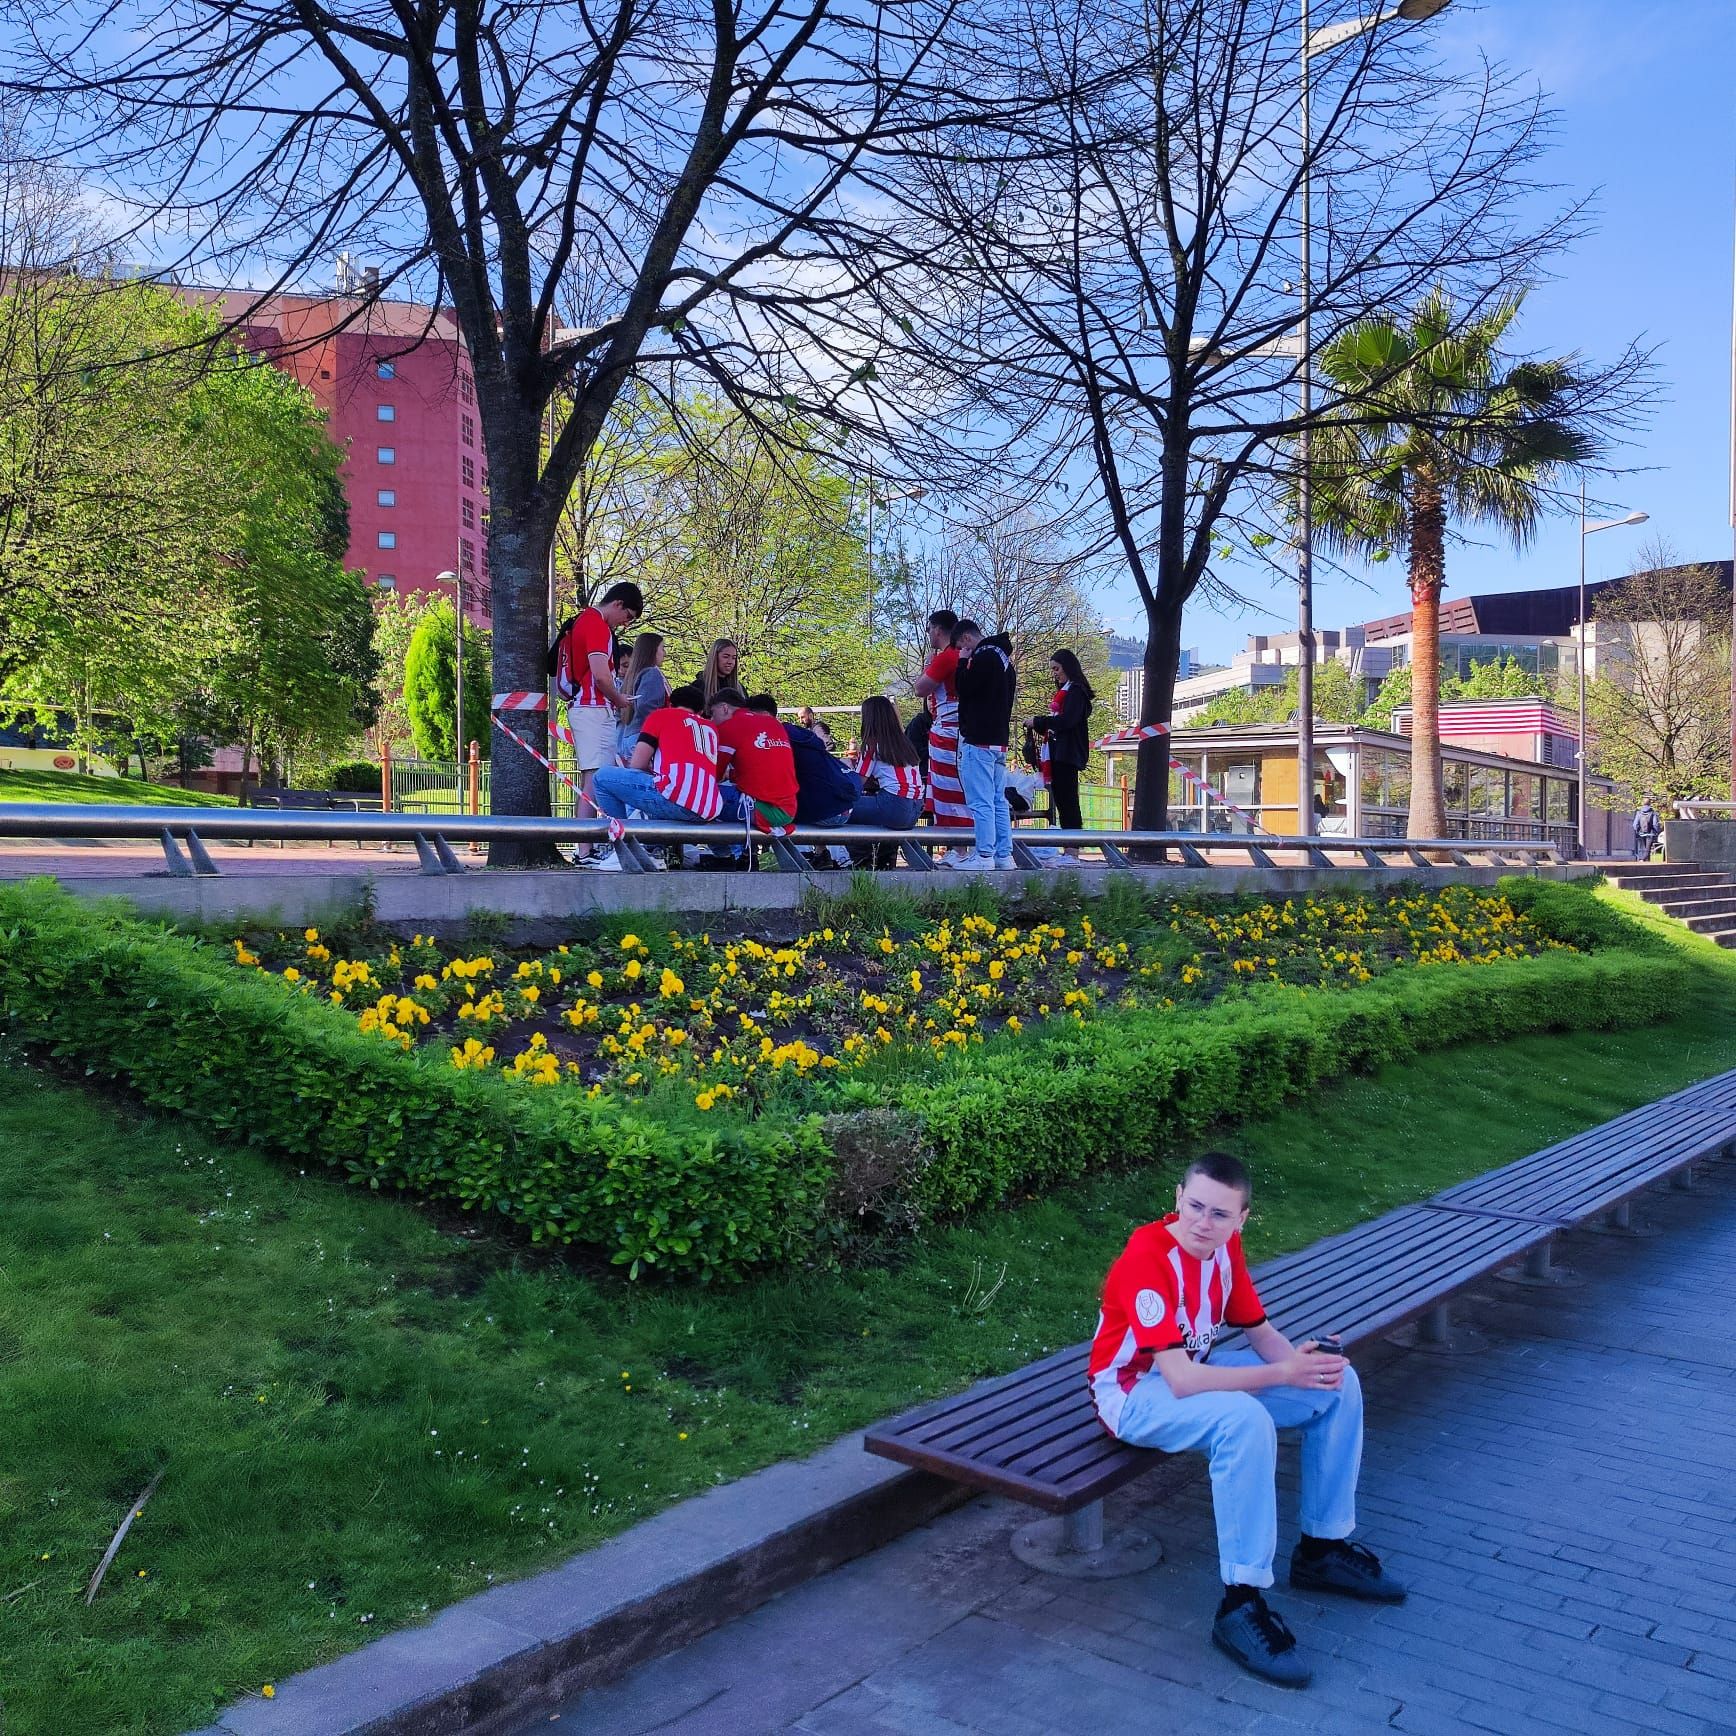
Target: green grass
{"points": [[363, 1414], [34, 786]]}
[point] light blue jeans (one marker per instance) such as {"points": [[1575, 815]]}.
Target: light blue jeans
{"points": [[618, 788], [1239, 1430], [983, 772]]}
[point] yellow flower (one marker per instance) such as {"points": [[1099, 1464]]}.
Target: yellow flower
{"points": [[629, 942], [292, 975], [594, 978], [269, 1692], [705, 1099], [310, 934]]}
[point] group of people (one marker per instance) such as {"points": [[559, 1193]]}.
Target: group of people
{"points": [[709, 750]]}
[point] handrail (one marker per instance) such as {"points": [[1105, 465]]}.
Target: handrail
{"points": [[432, 835]]}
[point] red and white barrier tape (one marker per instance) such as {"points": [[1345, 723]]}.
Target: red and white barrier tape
{"points": [[1216, 795], [542, 760], [1134, 732]]}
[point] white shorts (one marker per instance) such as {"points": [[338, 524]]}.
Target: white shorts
{"points": [[593, 728]]}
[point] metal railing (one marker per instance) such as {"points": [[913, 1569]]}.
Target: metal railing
{"points": [[184, 832]]}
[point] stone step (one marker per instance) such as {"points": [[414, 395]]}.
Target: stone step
{"points": [[1712, 923], [1682, 886], [1653, 867], [1685, 909]]}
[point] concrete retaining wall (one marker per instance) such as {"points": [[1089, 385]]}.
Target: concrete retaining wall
{"points": [[541, 905], [1706, 843]]}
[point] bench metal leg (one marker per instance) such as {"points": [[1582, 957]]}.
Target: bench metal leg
{"points": [[1619, 1221], [1435, 1333], [1539, 1270], [1683, 1180], [1075, 1547]]}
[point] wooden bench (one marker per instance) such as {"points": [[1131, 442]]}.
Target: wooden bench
{"points": [[1033, 1435]]}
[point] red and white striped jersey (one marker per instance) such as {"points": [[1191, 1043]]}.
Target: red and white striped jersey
{"points": [[893, 780], [1160, 1297], [685, 766]]}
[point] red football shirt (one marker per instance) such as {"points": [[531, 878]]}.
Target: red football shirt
{"points": [[753, 752], [1160, 1297], [684, 767], [588, 633]]}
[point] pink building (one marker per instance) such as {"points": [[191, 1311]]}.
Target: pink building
{"points": [[396, 385]]}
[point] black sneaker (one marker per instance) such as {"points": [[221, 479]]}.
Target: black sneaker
{"points": [[1255, 1635], [1346, 1568]]}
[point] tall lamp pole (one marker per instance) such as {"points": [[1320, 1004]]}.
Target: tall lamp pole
{"points": [[1317, 42], [1586, 530], [456, 580]]}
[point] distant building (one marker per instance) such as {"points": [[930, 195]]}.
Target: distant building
{"points": [[1520, 728], [1130, 688], [396, 385]]}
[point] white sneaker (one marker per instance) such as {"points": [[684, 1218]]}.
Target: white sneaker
{"points": [[1003, 863], [608, 860], [971, 862]]}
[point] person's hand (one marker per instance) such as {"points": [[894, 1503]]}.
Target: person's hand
{"points": [[1313, 1369]]}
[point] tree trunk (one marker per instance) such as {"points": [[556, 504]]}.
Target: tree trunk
{"points": [[518, 576], [1151, 778], [1427, 576]]}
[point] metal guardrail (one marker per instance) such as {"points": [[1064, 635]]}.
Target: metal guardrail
{"points": [[183, 832]]}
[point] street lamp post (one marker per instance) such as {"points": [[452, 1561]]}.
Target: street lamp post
{"points": [[456, 580], [1317, 42], [1586, 530]]}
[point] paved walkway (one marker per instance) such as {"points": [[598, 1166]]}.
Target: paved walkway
{"points": [[1561, 1506]]}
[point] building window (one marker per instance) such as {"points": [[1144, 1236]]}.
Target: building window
{"points": [[485, 479], [385, 412], [387, 539], [467, 471], [466, 390], [386, 497], [386, 370], [467, 511], [386, 454], [386, 581], [467, 430], [466, 553]]}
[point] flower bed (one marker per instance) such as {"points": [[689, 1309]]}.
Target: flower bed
{"points": [[1169, 1037], [746, 1020]]}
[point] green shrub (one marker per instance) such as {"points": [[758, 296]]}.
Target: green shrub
{"points": [[1009, 1119], [353, 776], [251, 1059], [1571, 911], [662, 1188]]}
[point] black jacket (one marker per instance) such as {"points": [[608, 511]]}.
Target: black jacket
{"points": [[1068, 729], [823, 788], [985, 693]]}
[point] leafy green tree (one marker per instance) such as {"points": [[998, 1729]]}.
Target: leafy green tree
{"points": [[1439, 427], [732, 536], [431, 685], [396, 618], [1337, 699]]}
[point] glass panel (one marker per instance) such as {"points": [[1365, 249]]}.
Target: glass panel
{"points": [[1453, 784], [1560, 799], [1526, 796], [1488, 790]]}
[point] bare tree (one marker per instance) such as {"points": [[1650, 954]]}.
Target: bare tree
{"points": [[1124, 256], [1660, 704], [655, 183]]}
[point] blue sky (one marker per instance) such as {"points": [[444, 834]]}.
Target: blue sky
{"points": [[1646, 96]]}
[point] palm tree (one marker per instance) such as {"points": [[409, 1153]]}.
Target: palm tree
{"points": [[1436, 426]]}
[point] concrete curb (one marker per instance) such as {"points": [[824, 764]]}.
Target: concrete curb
{"points": [[488, 1665]]}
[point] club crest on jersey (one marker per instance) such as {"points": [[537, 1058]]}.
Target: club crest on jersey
{"points": [[1148, 1305]]}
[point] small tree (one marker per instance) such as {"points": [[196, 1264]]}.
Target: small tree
{"points": [[431, 686], [1659, 708]]}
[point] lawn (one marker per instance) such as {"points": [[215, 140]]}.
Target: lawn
{"points": [[34, 786], [364, 1414]]}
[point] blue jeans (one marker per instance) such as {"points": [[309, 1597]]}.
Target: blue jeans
{"points": [[618, 788], [983, 772], [1239, 1430], [895, 813]]}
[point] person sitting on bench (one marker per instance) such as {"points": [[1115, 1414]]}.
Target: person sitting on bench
{"points": [[1177, 1285]]}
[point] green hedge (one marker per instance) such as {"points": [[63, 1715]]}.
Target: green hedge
{"points": [[251, 1058]]}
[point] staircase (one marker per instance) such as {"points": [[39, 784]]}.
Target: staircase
{"points": [[1703, 898]]}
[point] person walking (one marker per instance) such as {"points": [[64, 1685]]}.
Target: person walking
{"points": [[1647, 827], [985, 682], [581, 662], [1179, 1283], [938, 685], [1067, 732], [644, 689]]}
